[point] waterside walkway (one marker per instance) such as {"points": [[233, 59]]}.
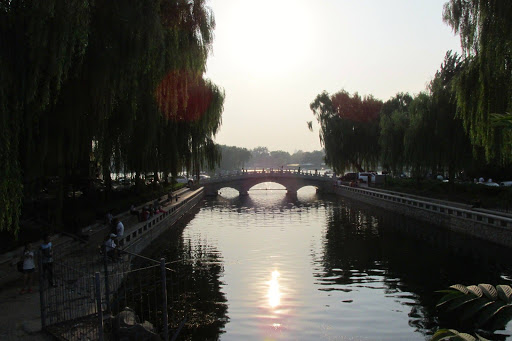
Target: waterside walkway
{"points": [[20, 315]]}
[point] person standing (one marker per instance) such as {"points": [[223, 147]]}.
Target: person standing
{"points": [[47, 259], [29, 267], [119, 228], [110, 246]]}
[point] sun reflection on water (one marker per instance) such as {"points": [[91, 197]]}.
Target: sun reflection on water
{"points": [[274, 294]]}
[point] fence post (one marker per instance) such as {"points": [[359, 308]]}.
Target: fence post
{"points": [[107, 288], [164, 299], [98, 302], [41, 290]]}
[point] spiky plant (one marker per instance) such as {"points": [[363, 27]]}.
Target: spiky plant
{"points": [[453, 335], [480, 305]]}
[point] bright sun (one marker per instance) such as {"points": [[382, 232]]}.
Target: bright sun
{"points": [[272, 36]]}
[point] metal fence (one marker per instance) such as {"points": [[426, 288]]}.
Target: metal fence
{"points": [[82, 293]]}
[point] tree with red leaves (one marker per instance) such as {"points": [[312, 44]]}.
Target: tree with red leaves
{"points": [[349, 129]]}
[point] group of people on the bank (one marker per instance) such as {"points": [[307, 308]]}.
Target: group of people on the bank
{"points": [[147, 211], [27, 264]]}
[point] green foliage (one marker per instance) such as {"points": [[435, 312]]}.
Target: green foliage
{"points": [[262, 157], [315, 157], [483, 304], [484, 86], [419, 153], [449, 129], [349, 129], [394, 122], [504, 120], [234, 157], [42, 45], [121, 75], [453, 335], [424, 134], [464, 114]]}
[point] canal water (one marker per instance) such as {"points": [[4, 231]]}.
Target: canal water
{"points": [[269, 267]]}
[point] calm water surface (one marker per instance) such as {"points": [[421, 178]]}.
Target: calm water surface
{"points": [[266, 267]]}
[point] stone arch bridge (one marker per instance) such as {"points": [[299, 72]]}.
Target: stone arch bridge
{"points": [[292, 181]]}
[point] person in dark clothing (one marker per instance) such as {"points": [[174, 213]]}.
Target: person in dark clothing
{"points": [[134, 211], [47, 260]]}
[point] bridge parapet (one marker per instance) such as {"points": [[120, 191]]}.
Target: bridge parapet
{"points": [[248, 175], [292, 181]]}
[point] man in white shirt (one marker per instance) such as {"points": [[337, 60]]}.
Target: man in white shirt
{"points": [[110, 246], [119, 228]]}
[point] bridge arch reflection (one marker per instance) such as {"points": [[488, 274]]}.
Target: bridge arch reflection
{"points": [[261, 188]]}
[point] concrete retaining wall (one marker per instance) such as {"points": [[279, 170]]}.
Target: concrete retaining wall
{"points": [[493, 228], [138, 237]]}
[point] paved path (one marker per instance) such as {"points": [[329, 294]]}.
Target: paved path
{"points": [[20, 315]]}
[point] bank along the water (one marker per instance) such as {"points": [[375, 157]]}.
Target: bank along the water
{"points": [[485, 225]]}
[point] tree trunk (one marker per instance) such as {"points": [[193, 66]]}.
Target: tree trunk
{"points": [[155, 178], [451, 177], [59, 205], [138, 181], [105, 169], [358, 166]]}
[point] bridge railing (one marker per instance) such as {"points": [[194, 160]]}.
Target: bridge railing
{"points": [[434, 207], [259, 173]]}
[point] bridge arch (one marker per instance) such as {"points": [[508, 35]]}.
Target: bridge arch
{"points": [[291, 181]]}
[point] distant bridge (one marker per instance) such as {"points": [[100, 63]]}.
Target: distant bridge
{"points": [[292, 181]]}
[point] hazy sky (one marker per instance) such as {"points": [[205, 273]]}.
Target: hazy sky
{"points": [[272, 57]]}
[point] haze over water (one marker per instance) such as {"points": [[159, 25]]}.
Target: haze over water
{"points": [[320, 268]]}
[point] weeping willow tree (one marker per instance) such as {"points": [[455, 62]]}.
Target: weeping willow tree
{"points": [[168, 106], [190, 105], [349, 130], [117, 75], [435, 141], [449, 130], [484, 87], [198, 121], [42, 46], [424, 133], [421, 156], [394, 121]]}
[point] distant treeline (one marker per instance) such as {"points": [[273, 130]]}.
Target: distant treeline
{"points": [[235, 158], [461, 124]]}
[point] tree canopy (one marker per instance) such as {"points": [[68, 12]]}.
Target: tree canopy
{"points": [[112, 85], [349, 129], [394, 122], [484, 85], [460, 121], [421, 134]]}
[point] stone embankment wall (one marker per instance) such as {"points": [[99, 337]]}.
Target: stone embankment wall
{"points": [[483, 225], [136, 238]]}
